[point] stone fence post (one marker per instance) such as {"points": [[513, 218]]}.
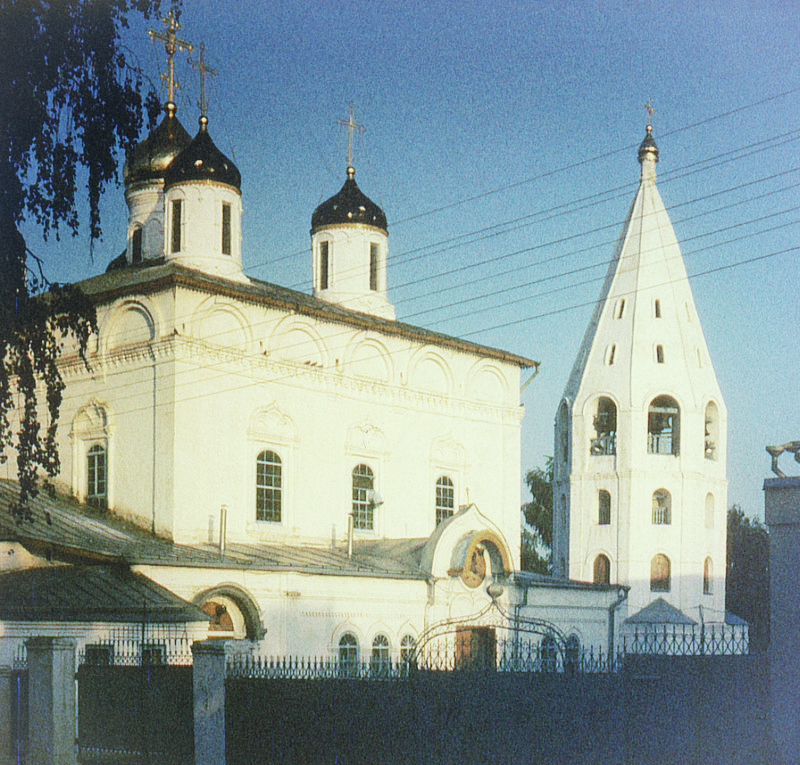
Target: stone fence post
{"points": [[208, 682], [51, 701], [782, 514]]}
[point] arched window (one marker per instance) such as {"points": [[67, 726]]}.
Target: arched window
{"points": [[348, 654], [709, 511], [710, 446], [225, 245], [407, 648], [572, 654], [548, 653], [379, 661], [136, 245], [602, 570], [708, 577], [659, 573], [603, 507], [363, 507], [445, 499], [663, 426], [97, 476], [605, 426], [268, 487], [662, 507], [324, 265]]}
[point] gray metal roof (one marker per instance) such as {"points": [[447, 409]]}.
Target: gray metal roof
{"points": [[157, 275], [660, 612], [64, 529], [90, 594]]}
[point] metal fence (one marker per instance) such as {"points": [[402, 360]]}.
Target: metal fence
{"points": [[126, 650], [687, 640]]}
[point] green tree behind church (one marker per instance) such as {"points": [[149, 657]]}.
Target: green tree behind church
{"points": [[537, 539], [69, 101]]}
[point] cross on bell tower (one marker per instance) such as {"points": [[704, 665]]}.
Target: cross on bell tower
{"points": [[172, 44], [351, 126], [204, 69]]}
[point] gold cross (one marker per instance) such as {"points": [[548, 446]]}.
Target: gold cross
{"points": [[204, 70], [351, 126], [172, 44], [650, 110]]}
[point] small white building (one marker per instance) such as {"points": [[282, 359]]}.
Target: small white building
{"points": [[640, 490]]}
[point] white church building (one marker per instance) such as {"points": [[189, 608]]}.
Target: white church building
{"points": [[311, 477]]}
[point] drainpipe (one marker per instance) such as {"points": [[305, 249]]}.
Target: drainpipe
{"points": [[350, 526], [622, 595]]}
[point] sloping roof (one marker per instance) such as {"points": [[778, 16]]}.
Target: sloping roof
{"points": [[659, 612], [90, 594], [67, 530], [731, 618], [157, 275]]}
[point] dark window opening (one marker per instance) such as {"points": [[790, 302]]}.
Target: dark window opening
{"points": [[96, 476], [663, 426], [373, 266], [177, 209], [620, 310], [711, 431], [660, 354], [604, 508], [99, 655], [136, 245], [605, 426], [226, 228], [657, 308], [323, 265]]}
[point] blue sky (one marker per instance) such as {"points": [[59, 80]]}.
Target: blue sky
{"points": [[524, 108]]}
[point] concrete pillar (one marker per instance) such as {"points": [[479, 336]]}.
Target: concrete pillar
{"points": [[7, 699], [782, 515], [51, 701], [208, 682]]}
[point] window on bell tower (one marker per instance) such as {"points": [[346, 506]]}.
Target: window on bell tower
{"points": [[663, 426], [373, 266], [226, 228], [324, 264], [177, 211], [605, 426]]}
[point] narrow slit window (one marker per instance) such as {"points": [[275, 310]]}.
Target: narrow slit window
{"points": [[373, 266], [708, 577], [177, 211], [136, 245], [226, 228], [620, 310], [604, 508], [657, 308], [660, 354], [324, 254], [612, 351]]}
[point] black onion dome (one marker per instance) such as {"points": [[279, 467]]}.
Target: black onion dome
{"points": [[150, 158], [648, 146], [201, 160], [350, 205]]}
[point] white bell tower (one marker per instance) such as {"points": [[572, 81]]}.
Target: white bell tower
{"points": [[640, 492]]}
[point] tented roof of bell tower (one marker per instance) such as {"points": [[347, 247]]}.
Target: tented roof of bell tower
{"points": [[349, 205], [201, 160]]}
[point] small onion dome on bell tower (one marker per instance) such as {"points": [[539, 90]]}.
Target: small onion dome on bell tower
{"points": [[203, 209], [648, 148], [150, 158], [350, 205], [201, 160]]}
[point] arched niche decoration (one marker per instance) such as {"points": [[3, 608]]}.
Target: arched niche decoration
{"points": [[365, 437], [429, 371], [243, 601], [296, 338], [220, 322], [485, 382], [369, 358], [129, 323], [446, 451], [478, 554], [270, 423], [91, 421]]}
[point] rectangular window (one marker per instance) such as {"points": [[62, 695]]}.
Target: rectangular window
{"points": [[373, 266], [99, 655], [226, 228], [323, 265], [96, 476], [177, 208], [658, 308]]}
